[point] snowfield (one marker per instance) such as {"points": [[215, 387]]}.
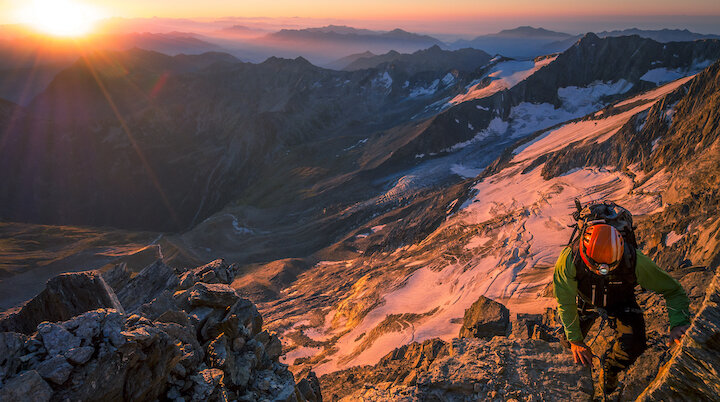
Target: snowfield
{"points": [[503, 242], [504, 75]]}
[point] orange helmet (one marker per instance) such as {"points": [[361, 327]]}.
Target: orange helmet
{"points": [[601, 248]]}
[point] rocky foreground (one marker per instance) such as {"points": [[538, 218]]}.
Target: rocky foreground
{"points": [[164, 334], [186, 335]]}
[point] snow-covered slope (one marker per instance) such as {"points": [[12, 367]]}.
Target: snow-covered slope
{"points": [[501, 243]]}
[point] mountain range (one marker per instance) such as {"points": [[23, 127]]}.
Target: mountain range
{"points": [[368, 210]]}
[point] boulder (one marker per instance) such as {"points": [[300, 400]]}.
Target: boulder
{"points": [[692, 372], [28, 386], [11, 349], [212, 295], [214, 272], [117, 277], [65, 296], [486, 318], [309, 387], [56, 370], [147, 285]]}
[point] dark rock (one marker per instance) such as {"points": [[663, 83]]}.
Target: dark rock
{"points": [[692, 372], [56, 370], [215, 272], [159, 305], [65, 296], [178, 317], [212, 295], [147, 285], [117, 277], [309, 387], [243, 316], [11, 349], [57, 340], [484, 319], [79, 356], [208, 385], [28, 386]]}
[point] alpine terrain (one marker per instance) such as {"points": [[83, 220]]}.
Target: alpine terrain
{"points": [[198, 227]]}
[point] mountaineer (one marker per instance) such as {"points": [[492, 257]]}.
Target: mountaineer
{"points": [[595, 276]]}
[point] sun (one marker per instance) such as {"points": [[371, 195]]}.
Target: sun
{"points": [[65, 18]]}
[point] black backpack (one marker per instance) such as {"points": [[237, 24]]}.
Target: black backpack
{"points": [[615, 289], [603, 212]]}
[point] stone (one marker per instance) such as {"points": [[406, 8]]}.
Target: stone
{"points": [[692, 372], [11, 349], [65, 296], [217, 271], [56, 370], [79, 356], [28, 386], [147, 285], [212, 295], [177, 317], [56, 339], [243, 316], [274, 348], [309, 387], [486, 318], [156, 307], [117, 277], [207, 383]]}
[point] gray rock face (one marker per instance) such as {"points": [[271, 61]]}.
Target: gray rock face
{"points": [[28, 386], [148, 284], [201, 344], [212, 295], [468, 370], [56, 370], [64, 297], [217, 271], [692, 372], [484, 319]]}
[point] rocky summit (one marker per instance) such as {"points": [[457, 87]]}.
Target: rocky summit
{"points": [[184, 336]]}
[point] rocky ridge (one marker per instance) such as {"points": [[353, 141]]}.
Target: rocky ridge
{"points": [[184, 336]]}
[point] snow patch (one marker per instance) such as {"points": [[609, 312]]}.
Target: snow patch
{"points": [[465, 172], [497, 127], [448, 79], [662, 75], [424, 91], [672, 238], [503, 75], [576, 98]]}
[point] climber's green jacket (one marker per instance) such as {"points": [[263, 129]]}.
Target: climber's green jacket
{"points": [[649, 277]]}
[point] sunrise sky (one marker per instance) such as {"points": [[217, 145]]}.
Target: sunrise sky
{"points": [[429, 16]]}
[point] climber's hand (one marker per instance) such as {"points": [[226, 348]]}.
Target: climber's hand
{"points": [[676, 334], [581, 353]]}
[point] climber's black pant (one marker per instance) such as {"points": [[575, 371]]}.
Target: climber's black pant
{"points": [[630, 339]]}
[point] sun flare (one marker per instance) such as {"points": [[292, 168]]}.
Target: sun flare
{"points": [[66, 18]]}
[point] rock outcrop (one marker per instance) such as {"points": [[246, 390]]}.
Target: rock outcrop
{"points": [[466, 369], [64, 297], [693, 371], [484, 319], [181, 339]]}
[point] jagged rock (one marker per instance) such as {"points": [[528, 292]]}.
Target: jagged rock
{"points": [[57, 340], [106, 355], [11, 349], [65, 296], [208, 385], [309, 387], [56, 370], [117, 277], [79, 356], [28, 386], [159, 305], [484, 319], [692, 372], [477, 369], [215, 272], [242, 314], [212, 295], [147, 285]]}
